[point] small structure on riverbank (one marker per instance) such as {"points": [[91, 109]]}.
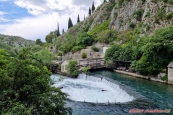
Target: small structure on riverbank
{"points": [[94, 63], [170, 72], [122, 65], [56, 66], [64, 66]]}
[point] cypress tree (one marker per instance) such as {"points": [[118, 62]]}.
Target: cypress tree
{"points": [[63, 31], [58, 33], [93, 8], [84, 17], [78, 20], [70, 24], [89, 11]]}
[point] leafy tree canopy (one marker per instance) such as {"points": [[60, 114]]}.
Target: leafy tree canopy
{"points": [[84, 39], [25, 86], [38, 41], [72, 68], [49, 38]]}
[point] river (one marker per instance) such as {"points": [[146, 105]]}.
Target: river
{"points": [[156, 97]]}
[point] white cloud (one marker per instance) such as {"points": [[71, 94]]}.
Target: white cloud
{"points": [[2, 13], [46, 14], [2, 18], [39, 7], [32, 28]]}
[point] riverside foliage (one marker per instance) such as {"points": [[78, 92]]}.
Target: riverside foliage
{"points": [[25, 86], [149, 55]]}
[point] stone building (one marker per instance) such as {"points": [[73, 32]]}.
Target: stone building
{"points": [[64, 66], [170, 72]]}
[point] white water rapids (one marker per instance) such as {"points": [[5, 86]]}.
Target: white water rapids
{"points": [[92, 89]]}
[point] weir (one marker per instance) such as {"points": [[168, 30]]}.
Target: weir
{"points": [[115, 86], [94, 89]]}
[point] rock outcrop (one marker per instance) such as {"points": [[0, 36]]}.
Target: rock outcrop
{"points": [[148, 14]]}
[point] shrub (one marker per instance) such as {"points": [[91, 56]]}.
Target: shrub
{"points": [[59, 53], [77, 48], [103, 26], [132, 25], [160, 14], [107, 36], [170, 1], [83, 55], [148, 27], [165, 78], [72, 68], [143, 1], [95, 49], [86, 69], [138, 14], [84, 39], [148, 14], [169, 16], [120, 2]]}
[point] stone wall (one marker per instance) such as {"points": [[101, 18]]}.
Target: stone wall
{"points": [[170, 74]]}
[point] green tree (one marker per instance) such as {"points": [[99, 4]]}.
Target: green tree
{"points": [[93, 7], [84, 39], [83, 55], [86, 69], [63, 31], [72, 68], [50, 37], [58, 33], [25, 87], [154, 53], [38, 42], [107, 36], [112, 54], [89, 11], [70, 24], [78, 20], [95, 49], [46, 57]]}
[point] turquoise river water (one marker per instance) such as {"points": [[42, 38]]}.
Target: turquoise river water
{"points": [[157, 97]]}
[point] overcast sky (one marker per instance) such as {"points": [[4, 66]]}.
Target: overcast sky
{"points": [[34, 19]]}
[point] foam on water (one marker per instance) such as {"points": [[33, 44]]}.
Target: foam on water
{"points": [[93, 89]]}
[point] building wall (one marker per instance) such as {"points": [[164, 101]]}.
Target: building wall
{"points": [[170, 74], [63, 67], [104, 49]]}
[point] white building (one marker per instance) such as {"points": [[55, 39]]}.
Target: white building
{"points": [[104, 49], [170, 72], [64, 66]]}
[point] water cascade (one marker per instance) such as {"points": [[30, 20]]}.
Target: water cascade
{"points": [[94, 89]]}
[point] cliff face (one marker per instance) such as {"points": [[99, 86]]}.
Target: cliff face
{"points": [[129, 14], [122, 15], [148, 14]]}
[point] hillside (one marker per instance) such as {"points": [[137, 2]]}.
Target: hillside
{"points": [[149, 15], [13, 43], [118, 16], [139, 31]]}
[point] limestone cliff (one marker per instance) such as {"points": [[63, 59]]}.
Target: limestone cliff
{"points": [[148, 14], [122, 16]]}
